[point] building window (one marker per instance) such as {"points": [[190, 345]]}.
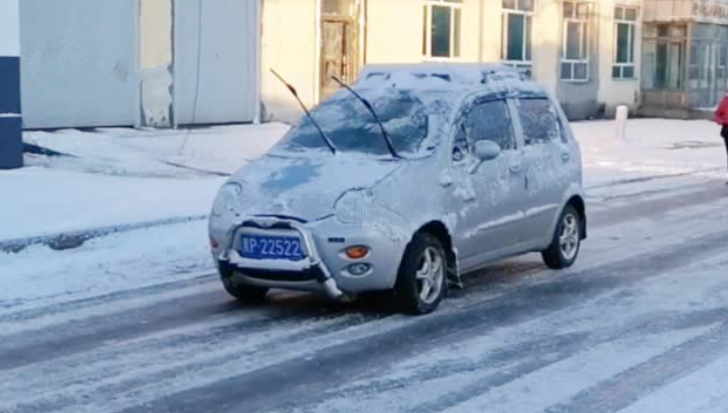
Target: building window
{"points": [[441, 23], [516, 37], [663, 57], [625, 21], [575, 54]]}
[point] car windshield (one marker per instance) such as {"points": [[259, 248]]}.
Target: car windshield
{"points": [[352, 128]]}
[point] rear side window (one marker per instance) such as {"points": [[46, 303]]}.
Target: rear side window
{"points": [[540, 121], [488, 120]]}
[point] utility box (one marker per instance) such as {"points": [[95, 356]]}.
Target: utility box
{"points": [[11, 141]]}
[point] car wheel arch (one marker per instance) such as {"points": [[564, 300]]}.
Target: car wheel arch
{"points": [[440, 230], [578, 202]]}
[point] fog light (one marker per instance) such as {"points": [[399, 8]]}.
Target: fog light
{"points": [[358, 252], [213, 243], [358, 269]]}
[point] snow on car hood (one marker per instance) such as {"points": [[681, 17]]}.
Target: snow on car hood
{"points": [[306, 187]]}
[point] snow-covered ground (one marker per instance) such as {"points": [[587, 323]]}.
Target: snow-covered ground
{"points": [[121, 176], [651, 148]]}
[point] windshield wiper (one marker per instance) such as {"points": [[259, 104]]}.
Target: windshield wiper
{"points": [[308, 114], [369, 107]]}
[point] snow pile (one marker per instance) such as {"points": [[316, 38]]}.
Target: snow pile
{"points": [[43, 202], [151, 152], [39, 275]]}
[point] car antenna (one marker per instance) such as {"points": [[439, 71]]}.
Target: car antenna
{"points": [[308, 114], [369, 107]]}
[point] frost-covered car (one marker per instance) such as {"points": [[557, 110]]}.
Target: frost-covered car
{"points": [[449, 168]]}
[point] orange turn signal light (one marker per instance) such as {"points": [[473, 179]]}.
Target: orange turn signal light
{"points": [[358, 252]]}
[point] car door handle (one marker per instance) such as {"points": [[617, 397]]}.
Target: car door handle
{"points": [[515, 168], [565, 156]]}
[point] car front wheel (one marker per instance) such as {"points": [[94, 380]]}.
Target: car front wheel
{"points": [[422, 278], [565, 245]]}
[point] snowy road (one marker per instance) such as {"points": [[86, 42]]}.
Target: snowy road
{"points": [[640, 325]]}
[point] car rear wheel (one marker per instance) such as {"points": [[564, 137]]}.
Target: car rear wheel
{"points": [[565, 245], [422, 278], [243, 292]]}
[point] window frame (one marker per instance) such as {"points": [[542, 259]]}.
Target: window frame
{"points": [[527, 13], [478, 101], [455, 36], [584, 48], [632, 41], [562, 138], [677, 35]]}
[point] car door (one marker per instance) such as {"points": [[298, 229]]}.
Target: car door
{"points": [[547, 159], [488, 194]]}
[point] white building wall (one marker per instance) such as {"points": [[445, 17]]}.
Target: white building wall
{"points": [[289, 46], [79, 63], [614, 92], [156, 68], [216, 61], [9, 28]]}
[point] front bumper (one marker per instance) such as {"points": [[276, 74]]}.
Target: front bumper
{"points": [[323, 269]]}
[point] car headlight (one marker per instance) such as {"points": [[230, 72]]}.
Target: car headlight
{"points": [[228, 199], [353, 206]]}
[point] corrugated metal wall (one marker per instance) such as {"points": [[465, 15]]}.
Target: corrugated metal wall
{"points": [[78, 63], [216, 58]]}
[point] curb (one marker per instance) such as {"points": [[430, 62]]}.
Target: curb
{"points": [[74, 239]]}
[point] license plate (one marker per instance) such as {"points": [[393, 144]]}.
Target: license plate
{"points": [[264, 247]]}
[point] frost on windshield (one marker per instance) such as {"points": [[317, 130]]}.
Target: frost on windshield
{"points": [[350, 126]]}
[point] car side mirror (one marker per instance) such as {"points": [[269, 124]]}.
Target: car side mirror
{"points": [[485, 151]]}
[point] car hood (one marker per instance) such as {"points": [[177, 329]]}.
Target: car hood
{"points": [[305, 187]]}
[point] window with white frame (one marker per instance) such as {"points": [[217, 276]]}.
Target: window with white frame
{"points": [[516, 37], [625, 24], [441, 28], [575, 53]]}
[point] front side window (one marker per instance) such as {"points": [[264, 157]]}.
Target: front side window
{"points": [[625, 21], [575, 53], [485, 120], [540, 121], [441, 28], [517, 29]]}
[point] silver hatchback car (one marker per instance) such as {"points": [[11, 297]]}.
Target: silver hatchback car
{"points": [[406, 180]]}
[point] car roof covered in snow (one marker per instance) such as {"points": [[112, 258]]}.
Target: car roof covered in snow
{"points": [[458, 78]]}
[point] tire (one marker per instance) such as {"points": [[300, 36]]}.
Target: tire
{"points": [[243, 292], [414, 274], [566, 243]]}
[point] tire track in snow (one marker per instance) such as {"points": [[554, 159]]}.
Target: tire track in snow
{"points": [[169, 288], [302, 381], [186, 307], [512, 358], [137, 366], [481, 364], [625, 389], [634, 210], [126, 332]]}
